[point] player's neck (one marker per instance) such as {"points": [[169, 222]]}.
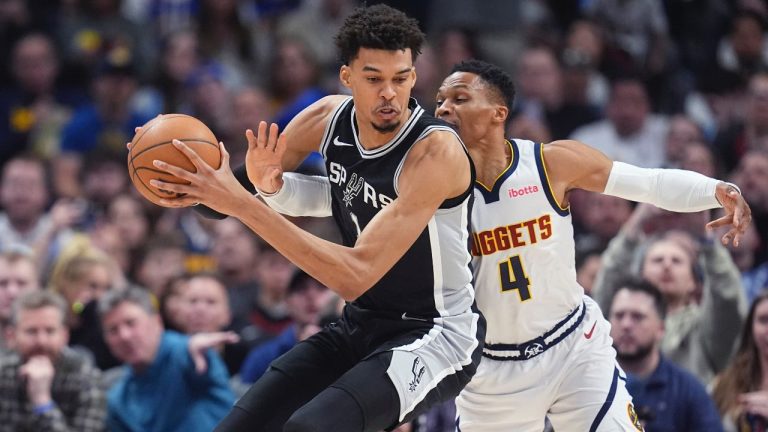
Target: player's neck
{"points": [[371, 139], [491, 156]]}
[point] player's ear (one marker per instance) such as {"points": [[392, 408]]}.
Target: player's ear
{"points": [[501, 113], [413, 74], [345, 76]]}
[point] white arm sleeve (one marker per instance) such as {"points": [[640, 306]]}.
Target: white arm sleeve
{"points": [[670, 189], [301, 195]]}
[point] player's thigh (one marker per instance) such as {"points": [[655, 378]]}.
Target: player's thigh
{"points": [[594, 398], [363, 399], [505, 396]]}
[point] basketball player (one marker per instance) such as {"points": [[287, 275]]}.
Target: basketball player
{"points": [[548, 351], [410, 336]]}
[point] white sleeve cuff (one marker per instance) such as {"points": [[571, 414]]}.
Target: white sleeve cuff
{"points": [[301, 195]]}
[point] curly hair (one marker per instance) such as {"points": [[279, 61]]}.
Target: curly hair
{"points": [[378, 27], [499, 80]]}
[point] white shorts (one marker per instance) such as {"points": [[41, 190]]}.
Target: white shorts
{"points": [[576, 383]]}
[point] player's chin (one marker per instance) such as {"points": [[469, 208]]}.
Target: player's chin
{"points": [[386, 126]]}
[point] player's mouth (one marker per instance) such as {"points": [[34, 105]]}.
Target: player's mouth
{"points": [[387, 113]]}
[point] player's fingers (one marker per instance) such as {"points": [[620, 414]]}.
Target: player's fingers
{"points": [[192, 155], [261, 137], [178, 202], [224, 155], [176, 188], [281, 145], [717, 223], [128, 145], [251, 138], [274, 133], [727, 237], [173, 170]]}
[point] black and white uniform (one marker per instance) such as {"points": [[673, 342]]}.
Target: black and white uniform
{"points": [[412, 340]]}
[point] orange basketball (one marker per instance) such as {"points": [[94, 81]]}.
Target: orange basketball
{"points": [[154, 142]]}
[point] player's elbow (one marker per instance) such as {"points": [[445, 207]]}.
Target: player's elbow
{"points": [[356, 281]]}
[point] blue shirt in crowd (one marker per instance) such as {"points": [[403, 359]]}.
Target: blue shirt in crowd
{"points": [[259, 358], [170, 395], [87, 131], [673, 400]]}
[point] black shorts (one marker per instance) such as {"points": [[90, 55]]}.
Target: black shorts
{"points": [[393, 367]]}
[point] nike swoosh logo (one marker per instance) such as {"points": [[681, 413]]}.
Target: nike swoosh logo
{"points": [[407, 318], [588, 334], [336, 142]]}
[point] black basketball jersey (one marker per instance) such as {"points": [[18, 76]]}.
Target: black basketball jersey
{"points": [[434, 277]]}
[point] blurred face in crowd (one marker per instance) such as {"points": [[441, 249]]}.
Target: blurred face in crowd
{"points": [[757, 103], [584, 37], [539, 76], [205, 305], [682, 131], [274, 272], [760, 327], [470, 106], [34, 64], [128, 216], [23, 192], [132, 334], [181, 55], [455, 46], [381, 82], [17, 276], [698, 157], [747, 39], [636, 327], [249, 107], [628, 107], [294, 67], [234, 248], [160, 266], [586, 274], [306, 304], [104, 181], [94, 280], [605, 214], [752, 178], [669, 267], [39, 331]]}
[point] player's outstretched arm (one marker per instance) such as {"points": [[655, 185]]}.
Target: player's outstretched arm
{"points": [[575, 165], [423, 186]]}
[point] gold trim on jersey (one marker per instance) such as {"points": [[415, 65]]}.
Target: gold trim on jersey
{"points": [[548, 184], [511, 163]]}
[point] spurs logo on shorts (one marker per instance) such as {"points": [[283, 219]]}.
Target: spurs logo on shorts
{"points": [[418, 372], [533, 350], [353, 188], [633, 417]]}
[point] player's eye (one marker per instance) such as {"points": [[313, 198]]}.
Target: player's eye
{"points": [[373, 79]]}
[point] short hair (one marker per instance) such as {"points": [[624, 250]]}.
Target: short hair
{"points": [[499, 80], [636, 285], [133, 294], [38, 299], [378, 27]]}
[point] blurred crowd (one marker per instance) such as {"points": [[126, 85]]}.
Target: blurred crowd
{"points": [[117, 314]]}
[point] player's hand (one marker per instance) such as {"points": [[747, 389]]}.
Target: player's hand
{"points": [[737, 213], [218, 188], [263, 161], [201, 342], [38, 373]]}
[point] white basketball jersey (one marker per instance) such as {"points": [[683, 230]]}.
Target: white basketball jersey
{"points": [[523, 251]]}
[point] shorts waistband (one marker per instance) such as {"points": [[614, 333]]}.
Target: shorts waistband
{"points": [[538, 345]]}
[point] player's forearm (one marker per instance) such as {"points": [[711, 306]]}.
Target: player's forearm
{"points": [[347, 271], [670, 189], [302, 195]]}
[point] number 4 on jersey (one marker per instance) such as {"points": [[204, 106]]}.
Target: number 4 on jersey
{"points": [[513, 277]]}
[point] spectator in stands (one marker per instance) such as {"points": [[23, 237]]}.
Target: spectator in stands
{"points": [[665, 396], [160, 260], [743, 50], [702, 290], [204, 308], [306, 300], [24, 194], [273, 273], [43, 385], [630, 133], [603, 215], [682, 131], [170, 381], [745, 132], [250, 105], [588, 263], [698, 157], [18, 275], [752, 175], [740, 391]]}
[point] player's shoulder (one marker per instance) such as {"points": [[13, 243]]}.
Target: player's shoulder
{"points": [[325, 107]]}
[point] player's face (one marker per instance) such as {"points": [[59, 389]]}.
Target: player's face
{"points": [[381, 83], [40, 332], [464, 102], [635, 325]]}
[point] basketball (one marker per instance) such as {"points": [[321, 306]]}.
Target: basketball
{"points": [[154, 142]]}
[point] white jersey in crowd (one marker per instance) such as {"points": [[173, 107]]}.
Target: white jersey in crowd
{"points": [[526, 282]]}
